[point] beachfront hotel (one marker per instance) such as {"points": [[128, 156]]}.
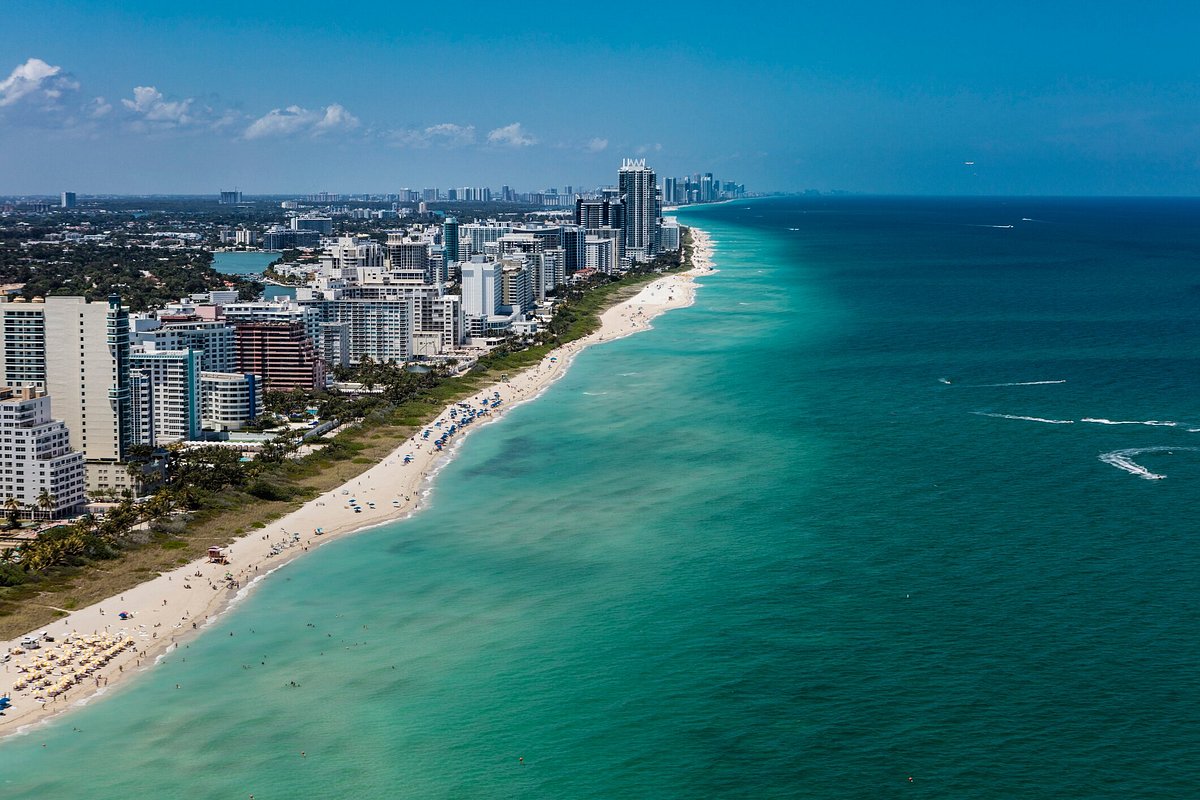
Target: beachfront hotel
{"points": [[37, 463]]}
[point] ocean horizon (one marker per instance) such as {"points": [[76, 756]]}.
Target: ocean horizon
{"points": [[899, 507]]}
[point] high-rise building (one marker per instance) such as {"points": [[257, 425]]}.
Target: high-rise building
{"points": [[167, 396], [573, 245], [37, 464], [481, 289], [516, 288], [670, 238], [68, 200], [322, 225], [23, 346], [281, 354], [636, 183], [229, 400], [378, 328], [450, 238], [599, 213], [87, 374], [669, 189], [229, 198]]}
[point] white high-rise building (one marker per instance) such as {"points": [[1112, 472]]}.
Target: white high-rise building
{"points": [[481, 287], [600, 254], [228, 400], [36, 459], [636, 184]]}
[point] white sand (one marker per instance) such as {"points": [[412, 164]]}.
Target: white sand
{"points": [[168, 608]]}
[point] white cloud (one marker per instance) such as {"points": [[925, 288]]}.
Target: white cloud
{"points": [[35, 80], [597, 145], [336, 118], [295, 120], [646, 148], [149, 105], [511, 136], [445, 134], [99, 107]]}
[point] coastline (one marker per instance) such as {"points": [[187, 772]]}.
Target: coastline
{"points": [[175, 606]]}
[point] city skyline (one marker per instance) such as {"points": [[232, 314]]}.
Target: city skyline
{"points": [[141, 99]]}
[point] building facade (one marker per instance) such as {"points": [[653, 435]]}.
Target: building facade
{"points": [[38, 468], [87, 374]]}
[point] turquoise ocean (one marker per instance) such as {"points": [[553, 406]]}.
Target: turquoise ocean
{"points": [[842, 529]]}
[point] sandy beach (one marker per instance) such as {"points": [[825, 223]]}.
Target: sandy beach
{"points": [[94, 647]]}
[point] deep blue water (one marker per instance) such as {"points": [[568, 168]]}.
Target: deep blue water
{"points": [[837, 531]]}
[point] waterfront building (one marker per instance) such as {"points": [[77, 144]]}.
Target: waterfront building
{"points": [[282, 354], [516, 288], [669, 238], [166, 395], [636, 183], [379, 328], [247, 237], [36, 459], [573, 238], [23, 346], [228, 400], [481, 287], [87, 374], [600, 254]]}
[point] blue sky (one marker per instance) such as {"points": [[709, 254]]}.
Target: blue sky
{"points": [[132, 97]]}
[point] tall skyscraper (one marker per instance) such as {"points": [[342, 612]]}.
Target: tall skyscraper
{"points": [[87, 374], [68, 200], [450, 238], [636, 183]]}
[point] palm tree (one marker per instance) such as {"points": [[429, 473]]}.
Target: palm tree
{"points": [[13, 506], [46, 503]]}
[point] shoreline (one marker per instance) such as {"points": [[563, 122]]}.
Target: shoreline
{"points": [[176, 606]]}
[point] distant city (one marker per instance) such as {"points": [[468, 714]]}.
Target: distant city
{"points": [[685, 190]]}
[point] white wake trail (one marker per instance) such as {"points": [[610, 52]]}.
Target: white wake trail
{"points": [[1124, 460], [1027, 419]]}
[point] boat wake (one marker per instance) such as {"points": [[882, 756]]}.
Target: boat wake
{"points": [[1016, 383], [1154, 423], [1027, 419], [1124, 460]]}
